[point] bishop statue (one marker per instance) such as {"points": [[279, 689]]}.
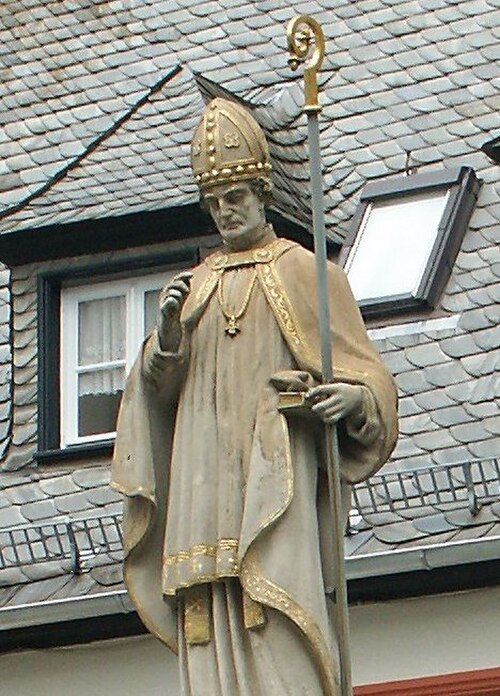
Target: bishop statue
{"points": [[227, 530]]}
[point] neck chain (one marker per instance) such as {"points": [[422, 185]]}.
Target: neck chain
{"points": [[233, 327]]}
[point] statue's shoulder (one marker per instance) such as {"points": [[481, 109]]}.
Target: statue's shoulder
{"points": [[296, 259], [297, 270]]}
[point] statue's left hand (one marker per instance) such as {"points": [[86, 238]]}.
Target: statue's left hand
{"points": [[331, 402]]}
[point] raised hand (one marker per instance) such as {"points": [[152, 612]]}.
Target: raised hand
{"points": [[172, 299]]}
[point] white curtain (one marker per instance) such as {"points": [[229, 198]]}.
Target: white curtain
{"points": [[101, 339]]}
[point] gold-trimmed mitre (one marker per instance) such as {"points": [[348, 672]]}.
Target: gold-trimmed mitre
{"points": [[228, 145]]}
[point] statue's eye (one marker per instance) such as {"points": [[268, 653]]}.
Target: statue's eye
{"points": [[234, 197]]}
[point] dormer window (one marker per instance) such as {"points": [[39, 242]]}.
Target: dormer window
{"points": [[93, 318], [406, 236], [102, 327]]}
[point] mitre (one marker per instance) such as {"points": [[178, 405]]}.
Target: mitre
{"points": [[228, 145]]}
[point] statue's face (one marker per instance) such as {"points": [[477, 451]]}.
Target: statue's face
{"points": [[238, 214]]}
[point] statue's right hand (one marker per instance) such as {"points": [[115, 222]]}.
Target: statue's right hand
{"points": [[174, 295], [172, 299]]}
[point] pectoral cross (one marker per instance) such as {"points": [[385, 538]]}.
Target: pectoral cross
{"points": [[232, 328]]}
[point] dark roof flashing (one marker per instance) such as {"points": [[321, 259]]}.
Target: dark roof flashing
{"points": [[492, 149]]}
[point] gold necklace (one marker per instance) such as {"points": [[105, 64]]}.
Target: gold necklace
{"points": [[233, 327]]}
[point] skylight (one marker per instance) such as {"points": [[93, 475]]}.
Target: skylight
{"points": [[407, 229]]}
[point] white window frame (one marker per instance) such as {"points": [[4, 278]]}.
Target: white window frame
{"points": [[134, 290]]}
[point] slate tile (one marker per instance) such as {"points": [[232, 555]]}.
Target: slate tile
{"points": [[107, 575], [407, 448], [412, 382], [482, 409], [487, 339], [397, 533], [378, 519], [75, 502], [417, 424], [451, 455], [434, 440], [464, 518], [12, 577], [480, 365], [482, 297], [475, 532], [11, 517], [24, 434], [38, 511], [446, 374], [425, 355], [58, 485], [434, 524], [469, 432], [36, 573], [28, 493], [461, 391], [103, 496], [24, 418], [485, 449], [453, 415], [353, 543], [492, 425], [76, 586], [485, 388], [408, 407], [91, 478]]}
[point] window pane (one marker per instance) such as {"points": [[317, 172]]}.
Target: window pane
{"points": [[99, 394], [394, 244], [101, 330], [151, 299]]}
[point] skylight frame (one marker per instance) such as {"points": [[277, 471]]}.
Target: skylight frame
{"points": [[462, 186]]}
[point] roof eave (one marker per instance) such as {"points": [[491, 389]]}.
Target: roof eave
{"points": [[423, 558]]}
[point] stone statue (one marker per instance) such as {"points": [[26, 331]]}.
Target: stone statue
{"points": [[226, 526]]}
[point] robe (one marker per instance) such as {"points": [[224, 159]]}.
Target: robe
{"points": [[226, 502]]}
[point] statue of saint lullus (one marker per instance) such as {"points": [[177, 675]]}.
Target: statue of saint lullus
{"points": [[227, 530]]}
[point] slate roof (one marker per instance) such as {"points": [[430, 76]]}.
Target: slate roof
{"points": [[97, 105], [399, 76]]}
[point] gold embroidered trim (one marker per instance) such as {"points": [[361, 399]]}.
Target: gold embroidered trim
{"points": [[254, 613], [207, 288], [201, 563], [281, 306], [290, 326], [197, 616], [249, 257], [202, 550], [263, 590]]}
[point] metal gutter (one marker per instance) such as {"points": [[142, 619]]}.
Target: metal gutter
{"points": [[71, 609], [357, 567], [423, 558]]}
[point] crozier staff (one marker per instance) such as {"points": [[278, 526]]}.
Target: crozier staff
{"points": [[226, 524]]}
